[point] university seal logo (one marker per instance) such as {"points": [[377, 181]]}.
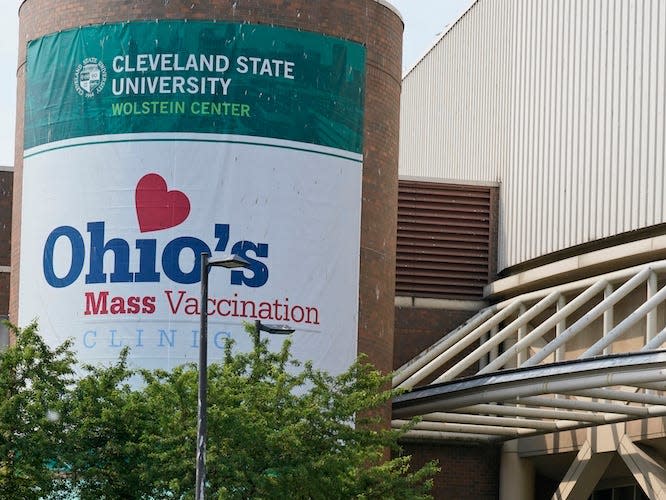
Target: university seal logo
{"points": [[90, 77]]}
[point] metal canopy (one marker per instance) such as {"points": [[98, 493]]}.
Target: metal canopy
{"points": [[536, 370]]}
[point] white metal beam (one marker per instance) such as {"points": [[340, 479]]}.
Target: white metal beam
{"points": [[409, 369], [647, 471], [590, 316], [506, 432], [651, 317], [414, 435], [541, 395], [498, 338], [463, 418], [463, 343], [624, 325], [521, 411], [656, 342], [625, 396], [579, 404], [583, 474], [557, 318], [513, 385]]}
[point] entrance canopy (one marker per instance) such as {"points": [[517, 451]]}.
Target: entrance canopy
{"points": [[576, 355]]}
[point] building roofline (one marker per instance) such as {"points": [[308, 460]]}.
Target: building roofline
{"points": [[444, 32], [391, 7]]}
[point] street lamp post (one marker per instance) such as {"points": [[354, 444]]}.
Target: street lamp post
{"points": [[230, 262]]}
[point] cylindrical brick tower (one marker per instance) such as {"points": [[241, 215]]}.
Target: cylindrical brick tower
{"points": [[146, 70]]}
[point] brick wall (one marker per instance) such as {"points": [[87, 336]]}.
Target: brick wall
{"points": [[364, 21], [468, 472], [5, 237], [416, 329]]}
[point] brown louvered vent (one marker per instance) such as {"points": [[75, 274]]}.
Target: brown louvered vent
{"points": [[445, 240]]}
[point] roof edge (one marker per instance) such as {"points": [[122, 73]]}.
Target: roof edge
{"points": [[446, 30]]}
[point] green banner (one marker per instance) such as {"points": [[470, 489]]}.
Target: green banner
{"points": [[199, 77]]}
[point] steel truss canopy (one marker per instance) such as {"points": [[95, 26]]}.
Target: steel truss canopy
{"points": [[577, 355]]}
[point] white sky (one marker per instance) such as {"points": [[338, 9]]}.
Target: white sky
{"points": [[424, 20]]}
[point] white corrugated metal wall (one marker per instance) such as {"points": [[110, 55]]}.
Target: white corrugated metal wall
{"points": [[562, 101]]}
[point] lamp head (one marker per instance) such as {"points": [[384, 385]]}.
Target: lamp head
{"points": [[229, 261], [274, 329]]}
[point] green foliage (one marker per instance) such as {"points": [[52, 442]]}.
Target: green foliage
{"points": [[276, 429], [33, 388], [104, 455]]}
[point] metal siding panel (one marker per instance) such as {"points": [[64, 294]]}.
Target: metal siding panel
{"points": [[633, 177], [570, 126], [562, 102], [588, 97], [517, 188], [593, 98], [601, 138], [577, 167], [458, 95], [558, 128], [645, 193], [660, 123], [626, 95], [653, 106], [527, 166], [615, 115]]}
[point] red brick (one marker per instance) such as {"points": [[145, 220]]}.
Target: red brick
{"points": [[416, 329], [468, 472], [5, 237]]}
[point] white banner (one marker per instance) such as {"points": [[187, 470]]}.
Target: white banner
{"points": [[113, 226]]}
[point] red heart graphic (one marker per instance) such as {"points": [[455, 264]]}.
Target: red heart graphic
{"points": [[157, 208]]}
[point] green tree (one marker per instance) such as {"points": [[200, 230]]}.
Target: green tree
{"points": [[278, 430], [107, 421], [33, 389]]}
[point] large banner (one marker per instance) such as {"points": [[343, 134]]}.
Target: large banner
{"points": [[148, 143]]}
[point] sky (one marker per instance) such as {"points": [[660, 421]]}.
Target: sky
{"points": [[424, 21]]}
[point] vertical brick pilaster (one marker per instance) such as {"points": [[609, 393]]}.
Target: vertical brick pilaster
{"points": [[6, 180]]}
